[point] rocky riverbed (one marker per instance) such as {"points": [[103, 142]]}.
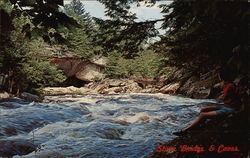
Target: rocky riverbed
{"points": [[190, 86]]}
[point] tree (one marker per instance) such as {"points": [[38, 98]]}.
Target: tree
{"points": [[146, 64], [25, 61], [196, 31], [121, 33], [80, 40], [205, 31], [43, 14], [199, 32]]}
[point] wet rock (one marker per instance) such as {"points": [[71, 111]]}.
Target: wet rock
{"points": [[14, 100], [121, 122], [110, 133], [9, 148], [4, 95], [202, 94], [30, 97], [9, 105], [83, 110], [9, 131]]}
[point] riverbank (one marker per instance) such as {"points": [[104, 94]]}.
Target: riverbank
{"points": [[178, 82], [222, 137]]}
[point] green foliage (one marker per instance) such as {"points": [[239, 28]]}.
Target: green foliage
{"points": [[80, 40], [115, 66], [119, 36], [76, 10], [43, 14], [96, 79], [207, 27], [122, 32], [147, 64], [25, 61], [37, 69], [41, 74]]}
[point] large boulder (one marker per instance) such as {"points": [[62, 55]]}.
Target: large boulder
{"points": [[81, 69], [30, 97], [132, 87], [4, 95], [9, 148], [90, 72]]}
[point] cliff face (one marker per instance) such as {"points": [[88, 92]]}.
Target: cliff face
{"points": [[190, 84]]}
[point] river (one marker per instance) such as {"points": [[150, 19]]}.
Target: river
{"points": [[98, 126]]}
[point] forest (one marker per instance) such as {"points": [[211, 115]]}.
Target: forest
{"points": [[199, 36]]}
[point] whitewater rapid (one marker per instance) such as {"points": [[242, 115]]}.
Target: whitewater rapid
{"points": [[98, 126]]}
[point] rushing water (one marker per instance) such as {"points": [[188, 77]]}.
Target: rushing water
{"points": [[98, 126]]}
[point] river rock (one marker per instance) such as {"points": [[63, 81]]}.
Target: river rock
{"points": [[29, 97], [116, 83], [9, 148], [132, 87], [113, 90], [9, 105], [4, 95], [109, 86], [145, 82], [170, 88], [100, 88], [150, 90], [110, 133], [66, 90]]}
